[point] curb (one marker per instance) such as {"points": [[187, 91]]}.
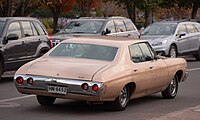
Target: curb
{"points": [[192, 113]]}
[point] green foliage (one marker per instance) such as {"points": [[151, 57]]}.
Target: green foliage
{"points": [[48, 23]]}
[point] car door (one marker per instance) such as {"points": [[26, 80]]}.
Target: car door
{"points": [[32, 38], [141, 72], [15, 50], [193, 34], [157, 66], [182, 39]]}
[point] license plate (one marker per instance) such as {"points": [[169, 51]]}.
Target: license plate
{"points": [[57, 90]]}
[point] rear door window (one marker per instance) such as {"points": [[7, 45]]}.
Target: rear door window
{"points": [[136, 53], [35, 33], [27, 28], [191, 28], [129, 25]]}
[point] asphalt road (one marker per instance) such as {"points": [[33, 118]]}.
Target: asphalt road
{"points": [[15, 106]]}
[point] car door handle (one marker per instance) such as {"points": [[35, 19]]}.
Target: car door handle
{"points": [[23, 42], [135, 70]]}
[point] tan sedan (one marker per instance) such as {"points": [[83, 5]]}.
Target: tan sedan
{"points": [[100, 69]]}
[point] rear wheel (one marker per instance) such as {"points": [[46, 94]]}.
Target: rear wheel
{"points": [[171, 91], [45, 100], [172, 52], [121, 101]]}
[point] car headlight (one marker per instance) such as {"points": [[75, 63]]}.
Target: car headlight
{"points": [[159, 43]]}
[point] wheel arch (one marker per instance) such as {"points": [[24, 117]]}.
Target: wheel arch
{"points": [[174, 44], [2, 60], [179, 75], [131, 87]]}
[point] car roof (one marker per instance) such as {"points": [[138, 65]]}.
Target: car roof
{"points": [[175, 22], [16, 18], [104, 40], [99, 18]]}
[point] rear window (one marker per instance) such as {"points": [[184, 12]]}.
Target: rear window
{"points": [[87, 51], [39, 28], [2, 23]]}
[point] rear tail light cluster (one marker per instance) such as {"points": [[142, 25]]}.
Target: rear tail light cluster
{"points": [[85, 87], [20, 80]]}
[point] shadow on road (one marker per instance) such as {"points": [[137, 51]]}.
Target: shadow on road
{"points": [[6, 80], [82, 108]]}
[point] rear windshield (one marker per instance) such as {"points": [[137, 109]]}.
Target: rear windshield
{"points": [[87, 51], [2, 23], [84, 27]]}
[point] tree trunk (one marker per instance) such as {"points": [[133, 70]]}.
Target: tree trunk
{"points": [[194, 11], [55, 23], [148, 17], [131, 11]]}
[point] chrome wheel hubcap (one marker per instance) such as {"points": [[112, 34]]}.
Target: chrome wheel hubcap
{"points": [[173, 87], [123, 97], [173, 53]]}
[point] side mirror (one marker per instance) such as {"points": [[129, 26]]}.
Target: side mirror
{"points": [[105, 32], [182, 34], [10, 37]]}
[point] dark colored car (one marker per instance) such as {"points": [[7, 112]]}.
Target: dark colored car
{"points": [[86, 26], [21, 40]]}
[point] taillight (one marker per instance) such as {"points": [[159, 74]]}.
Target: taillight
{"points": [[30, 81], [95, 88], [85, 86], [50, 40], [19, 80]]}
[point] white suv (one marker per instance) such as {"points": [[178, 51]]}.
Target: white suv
{"points": [[173, 38]]}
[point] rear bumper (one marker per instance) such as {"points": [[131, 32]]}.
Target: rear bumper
{"points": [[74, 90]]}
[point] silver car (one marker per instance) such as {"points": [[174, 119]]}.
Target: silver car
{"points": [[173, 38]]}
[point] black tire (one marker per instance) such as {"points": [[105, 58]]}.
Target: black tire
{"points": [[121, 101], [197, 55], [172, 52], [45, 100], [41, 54], [171, 91], [1, 70]]}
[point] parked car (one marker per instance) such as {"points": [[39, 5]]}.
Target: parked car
{"points": [[99, 69], [22, 39], [173, 38], [87, 26]]}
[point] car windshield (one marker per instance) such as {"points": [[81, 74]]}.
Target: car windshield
{"points": [[87, 51], [88, 26], [2, 23], [160, 29]]}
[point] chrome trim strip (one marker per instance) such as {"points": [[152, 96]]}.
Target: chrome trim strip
{"points": [[74, 86]]}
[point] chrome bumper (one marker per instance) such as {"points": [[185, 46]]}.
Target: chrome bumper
{"points": [[41, 84]]}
